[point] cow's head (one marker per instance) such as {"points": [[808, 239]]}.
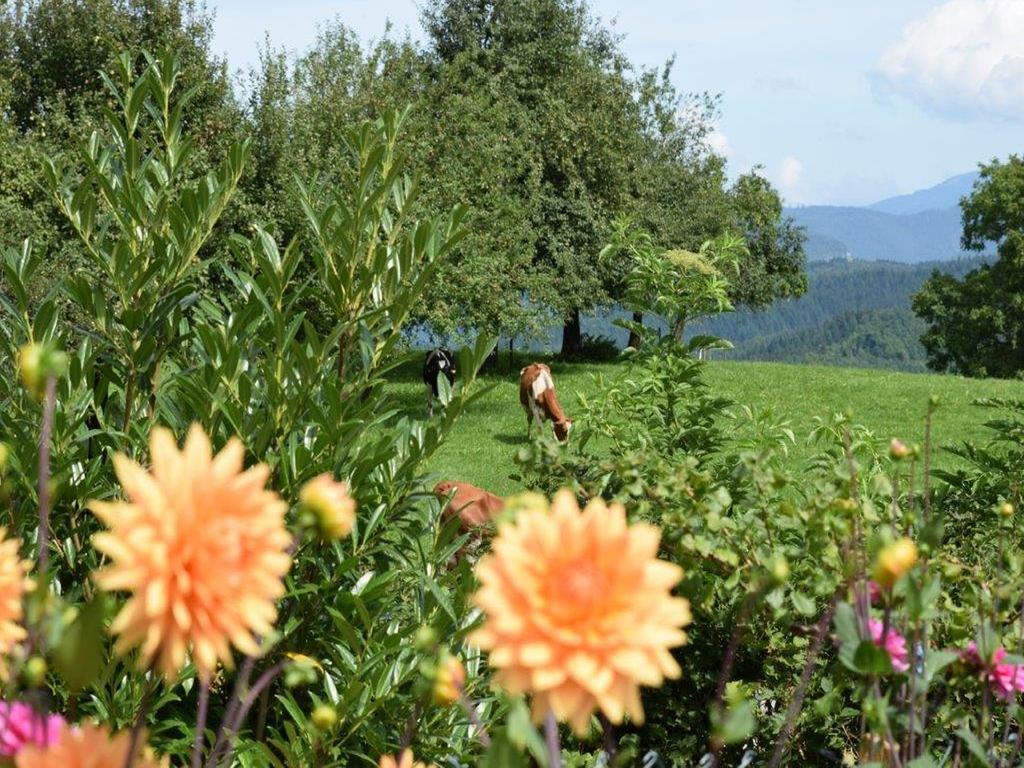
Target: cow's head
{"points": [[444, 489], [562, 429]]}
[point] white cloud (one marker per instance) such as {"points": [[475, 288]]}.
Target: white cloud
{"points": [[719, 143], [791, 171], [964, 59]]}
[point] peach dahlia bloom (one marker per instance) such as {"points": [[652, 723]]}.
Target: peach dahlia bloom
{"points": [[87, 746], [202, 547], [405, 760], [579, 610], [14, 582]]}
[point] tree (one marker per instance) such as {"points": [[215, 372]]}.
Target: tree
{"points": [[568, 76], [55, 50], [52, 54], [773, 266], [677, 285], [976, 325], [685, 199]]}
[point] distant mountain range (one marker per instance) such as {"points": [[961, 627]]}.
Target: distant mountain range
{"points": [[922, 226]]}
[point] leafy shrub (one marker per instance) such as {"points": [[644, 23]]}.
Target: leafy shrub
{"points": [[844, 611]]}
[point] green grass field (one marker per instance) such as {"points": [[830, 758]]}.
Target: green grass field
{"points": [[890, 404]]}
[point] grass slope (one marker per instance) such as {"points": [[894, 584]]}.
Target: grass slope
{"points": [[485, 440]]}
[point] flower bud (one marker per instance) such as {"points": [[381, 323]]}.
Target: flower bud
{"points": [[425, 638], [898, 450], [1006, 509], [35, 672], [329, 506], [779, 569], [37, 363], [5, 454], [894, 560], [448, 681], [324, 717]]}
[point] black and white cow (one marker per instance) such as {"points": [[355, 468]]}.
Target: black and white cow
{"points": [[438, 362]]}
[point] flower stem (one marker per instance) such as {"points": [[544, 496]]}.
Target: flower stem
{"points": [[797, 702], [608, 731], [241, 681], [481, 730], [244, 705], [551, 737], [140, 721], [44, 477], [201, 709]]}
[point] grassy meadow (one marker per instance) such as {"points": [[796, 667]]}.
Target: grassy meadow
{"points": [[891, 404]]}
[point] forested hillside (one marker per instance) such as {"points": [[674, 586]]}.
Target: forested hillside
{"points": [[854, 313]]}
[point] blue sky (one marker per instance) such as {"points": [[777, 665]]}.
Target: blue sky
{"points": [[841, 101]]}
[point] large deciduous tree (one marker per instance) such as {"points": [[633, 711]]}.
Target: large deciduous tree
{"points": [[976, 325], [566, 74]]}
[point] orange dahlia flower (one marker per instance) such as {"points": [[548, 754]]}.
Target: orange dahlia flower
{"points": [[14, 582], [87, 746], [579, 611], [202, 546], [404, 761]]}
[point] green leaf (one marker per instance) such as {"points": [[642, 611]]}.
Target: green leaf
{"points": [[871, 660], [803, 604], [936, 661], [502, 753], [976, 747], [737, 724], [78, 657], [522, 732]]}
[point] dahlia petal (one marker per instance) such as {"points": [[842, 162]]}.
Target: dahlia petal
{"points": [[230, 459], [544, 678], [669, 666], [535, 654], [155, 598], [660, 574]]}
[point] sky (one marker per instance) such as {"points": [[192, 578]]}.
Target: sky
{"points": [[840, 102]]}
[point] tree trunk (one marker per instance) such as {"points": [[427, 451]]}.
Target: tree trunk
{"points": [[679, 329], [572, 336], [634, 336], [511, 353]]}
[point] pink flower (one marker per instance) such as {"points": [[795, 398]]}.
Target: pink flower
{"points": [[970, 655], [20, 724], [1005, 680], [895, 644]]}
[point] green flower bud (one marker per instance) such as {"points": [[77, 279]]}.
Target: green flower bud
{"points": [[324, 717], [425, 638], [37, 363], [35, 672]]}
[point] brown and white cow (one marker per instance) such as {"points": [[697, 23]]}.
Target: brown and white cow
{"points": [[537, 394]]}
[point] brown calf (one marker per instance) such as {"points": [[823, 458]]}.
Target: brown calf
{"points": [[537, 394], [474, 506]]}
